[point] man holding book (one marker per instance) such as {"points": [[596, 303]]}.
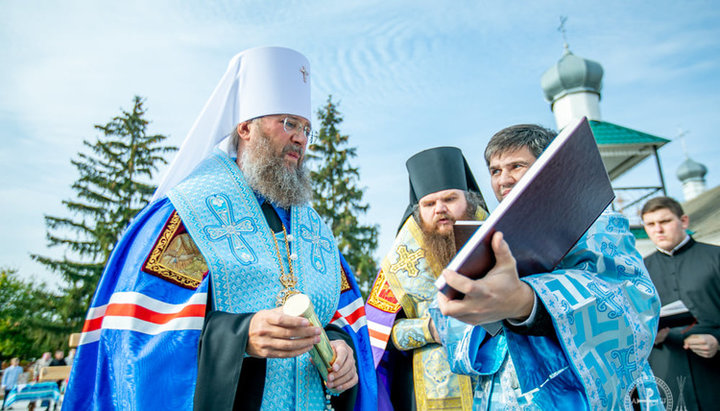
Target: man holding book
{"points": [[413, 367], [577, 337], [685, 357]]}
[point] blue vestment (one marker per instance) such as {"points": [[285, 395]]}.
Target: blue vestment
{"points": [[139, 346], [604, 310]]}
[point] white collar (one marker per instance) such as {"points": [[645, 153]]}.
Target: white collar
{"points": [[677, 247]]}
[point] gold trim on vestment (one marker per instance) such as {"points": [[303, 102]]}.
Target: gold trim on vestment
{"points": [[344, 283], [163, 263], [381, 295], [396, 262], [463, 402], [436, 387]]}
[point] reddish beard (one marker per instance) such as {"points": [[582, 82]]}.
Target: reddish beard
{"points": [[441, 245], [434, 227]]}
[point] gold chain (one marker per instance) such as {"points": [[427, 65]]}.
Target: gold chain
{"points": [[289, 281]]}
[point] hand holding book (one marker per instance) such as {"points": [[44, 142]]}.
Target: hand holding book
{"points": [[498, 295], [675, 314]]}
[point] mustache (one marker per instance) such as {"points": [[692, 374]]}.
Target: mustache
{"points": [[292, 148], [443, 216]]}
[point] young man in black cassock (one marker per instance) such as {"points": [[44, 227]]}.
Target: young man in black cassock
{"points": [[686, 359]]}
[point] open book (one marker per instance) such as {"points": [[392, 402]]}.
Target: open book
{"points": [[675, 314], [546, 213]]}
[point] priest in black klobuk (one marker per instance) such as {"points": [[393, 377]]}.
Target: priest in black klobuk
{"points": [[412, 365]]}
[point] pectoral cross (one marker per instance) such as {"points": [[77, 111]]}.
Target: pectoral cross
{"points": [[305, 73]]}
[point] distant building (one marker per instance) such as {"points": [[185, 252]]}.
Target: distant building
{"points": [[692, 176], [573, 87], [704, 213]]}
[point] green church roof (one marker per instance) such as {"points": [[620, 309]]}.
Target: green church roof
{"points": [[638, 232], [612, 134]]}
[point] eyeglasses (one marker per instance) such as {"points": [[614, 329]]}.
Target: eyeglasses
{"points": [[291, 125]]}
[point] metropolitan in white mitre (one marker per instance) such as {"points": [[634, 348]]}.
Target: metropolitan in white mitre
{"points": [[188, 311]]}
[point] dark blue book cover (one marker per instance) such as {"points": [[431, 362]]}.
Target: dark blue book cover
{"points": [[546, 213]]}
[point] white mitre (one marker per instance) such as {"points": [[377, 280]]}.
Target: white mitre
{"points": [[258, 82]]}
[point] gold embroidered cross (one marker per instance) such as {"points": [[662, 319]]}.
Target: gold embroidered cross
{"points": [[407, 261], [305, 73]]}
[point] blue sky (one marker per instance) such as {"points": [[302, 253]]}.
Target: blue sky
{"points": [[408, 75]]}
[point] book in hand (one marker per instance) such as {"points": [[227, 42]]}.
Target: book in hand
{"points": [[675, 314], [546, 213], [463, 230]]}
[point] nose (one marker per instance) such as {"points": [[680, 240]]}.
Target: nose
{"points": [[298, 137], [440, 207], [507, 178]]}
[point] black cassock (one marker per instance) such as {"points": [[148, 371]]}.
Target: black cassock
{"points": [[691, 274], [227, 379]]}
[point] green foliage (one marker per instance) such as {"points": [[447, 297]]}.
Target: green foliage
{"points": [[110, 191], [24, 305], [338, 199]]}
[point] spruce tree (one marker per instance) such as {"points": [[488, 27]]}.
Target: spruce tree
{"points": [[23, 306], [338, 199], [111, 190]]}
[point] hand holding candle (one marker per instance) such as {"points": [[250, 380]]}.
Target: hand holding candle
{"points": [[322, 353]]}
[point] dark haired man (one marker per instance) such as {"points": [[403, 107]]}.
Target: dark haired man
{"points": [[682, 269], [414, 367], [575, 338]]}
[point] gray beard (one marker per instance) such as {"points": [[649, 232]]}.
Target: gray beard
{"points": [[267, 174]]}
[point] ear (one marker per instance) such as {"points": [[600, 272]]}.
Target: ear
{"points": [[243, 130], [685, 221]]}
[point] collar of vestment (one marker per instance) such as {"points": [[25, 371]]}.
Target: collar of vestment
{"points": [[282, 213], [409, 269], [682, 246], [223, 216]]}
